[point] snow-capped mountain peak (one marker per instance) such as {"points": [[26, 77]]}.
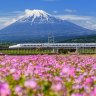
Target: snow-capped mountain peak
{"points": [[35, 15], [38, 16]]}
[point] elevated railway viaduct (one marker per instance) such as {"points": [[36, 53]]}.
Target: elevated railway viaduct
{"points": [[56, 46]]}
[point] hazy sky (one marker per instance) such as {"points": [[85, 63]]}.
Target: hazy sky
{"points": [[81, 12]]}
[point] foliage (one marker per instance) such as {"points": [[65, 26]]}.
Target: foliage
{"points": [[48, 75]]}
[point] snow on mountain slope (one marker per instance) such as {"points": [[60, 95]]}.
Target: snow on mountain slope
{"points": [[38, 16]]}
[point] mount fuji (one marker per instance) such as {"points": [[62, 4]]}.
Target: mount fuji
{"points": [[37, 25]]}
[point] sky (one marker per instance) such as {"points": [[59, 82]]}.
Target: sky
{"points": [[81, 12]]}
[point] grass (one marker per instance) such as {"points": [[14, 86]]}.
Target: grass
{"points": [[44, 51], [87, 51], [25, 52]]}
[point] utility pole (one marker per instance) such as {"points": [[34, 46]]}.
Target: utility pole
{"points": [[51, 40]]}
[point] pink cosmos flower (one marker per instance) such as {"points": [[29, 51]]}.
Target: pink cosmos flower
{"points": [[64, 71], [12, 71], [88, 81], [68, 71], [4, 89], [18, 90], [77, 94], [72, 72], [30, 84], [93, 93], [57, 87]]}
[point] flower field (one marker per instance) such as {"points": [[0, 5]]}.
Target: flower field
{"points": [[48, 75]]}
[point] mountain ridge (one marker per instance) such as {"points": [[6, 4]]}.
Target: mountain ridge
{"points": [[37, 25]]}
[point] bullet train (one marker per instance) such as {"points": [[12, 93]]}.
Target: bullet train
{"points": [[53, 45]]}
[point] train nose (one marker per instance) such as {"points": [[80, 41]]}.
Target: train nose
{"points": [[14, 46], [10, 46]]}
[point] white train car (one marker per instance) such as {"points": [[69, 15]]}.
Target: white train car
{"points": [[54, 45]]}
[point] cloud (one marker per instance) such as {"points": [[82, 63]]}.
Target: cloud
{"points": [[4, 21], [74, 17], [9, 18], [10, 22], [55, 11], [88, 22], [70, 11]]}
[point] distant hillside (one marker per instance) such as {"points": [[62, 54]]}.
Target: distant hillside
{"points": [[82, 39]]}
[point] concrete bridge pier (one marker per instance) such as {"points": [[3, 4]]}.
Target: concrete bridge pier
{"points": [[76, 50], [55, 50]]}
